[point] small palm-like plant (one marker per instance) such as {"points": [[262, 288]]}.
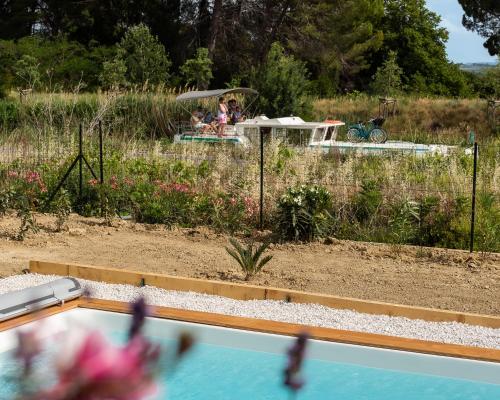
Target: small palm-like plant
{"points": [[249, 260]]}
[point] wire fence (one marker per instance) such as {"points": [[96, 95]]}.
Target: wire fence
{"points": [[260, 172]]}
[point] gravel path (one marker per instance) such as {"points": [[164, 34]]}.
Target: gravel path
{"points": [[307, 314]]}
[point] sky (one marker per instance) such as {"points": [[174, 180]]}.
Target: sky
{"points": [[463, 46]]}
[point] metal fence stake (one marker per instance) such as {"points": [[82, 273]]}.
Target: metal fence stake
{"points": [[101, 163], [473, 211], [261, 204], [80, 161]]}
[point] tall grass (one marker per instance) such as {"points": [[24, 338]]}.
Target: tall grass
{"points": [[40, 134], [426, 120]]}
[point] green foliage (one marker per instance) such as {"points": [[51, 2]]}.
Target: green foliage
{"points": [[483, 17], [62, 209], [26, 69], [282, 83], [144, 56], [368, 200], [113, 74], [198, 70], [61, 64], [303, 213], [490, 81], [338, 40], [404, 221], [249, 260], [415, 32], [387, 79]]}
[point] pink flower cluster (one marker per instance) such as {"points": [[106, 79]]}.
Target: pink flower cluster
{"points": [[251, 207], [173, 187], [113, 182], [30, 177], [100, 370]]}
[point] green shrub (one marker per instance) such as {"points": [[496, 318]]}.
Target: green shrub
{"points": [[303, 213], [9, 114], [144, 56], [249, 260], [282, 82], [368, 200]]}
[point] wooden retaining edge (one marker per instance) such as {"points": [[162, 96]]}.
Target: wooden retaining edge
{"points": [[279, 328], [250, 292]]}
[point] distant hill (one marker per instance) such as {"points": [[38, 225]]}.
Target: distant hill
{"points": [[477, 67]]}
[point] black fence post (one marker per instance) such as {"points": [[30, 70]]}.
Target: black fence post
{"points": [[80, 160], [473, 211], [261, 203], [101, 163]]}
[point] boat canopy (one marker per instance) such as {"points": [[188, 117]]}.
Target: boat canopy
{"points": [[203, 94]]}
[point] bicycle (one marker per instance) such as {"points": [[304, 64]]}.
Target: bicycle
{"points": [[373, 132]]}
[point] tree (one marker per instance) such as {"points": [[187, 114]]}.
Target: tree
{"points": [[17, 18], [62, 63], [483, 16], [144, 56], [415, 32], [338, 38], [387, 79], [199, 69], [113, 74], [27, 71], [282, 82]]}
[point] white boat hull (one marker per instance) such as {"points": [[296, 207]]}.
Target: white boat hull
{"points": [[389, 147]]}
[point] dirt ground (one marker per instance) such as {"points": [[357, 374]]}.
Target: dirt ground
{"points": [[438, 278]]}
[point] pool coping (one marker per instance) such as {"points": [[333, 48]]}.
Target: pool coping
{"points": [[272, 327], [240, 291]]}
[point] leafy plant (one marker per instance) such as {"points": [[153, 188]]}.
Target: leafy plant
{"points": [[368, 200], [198, 70], [28, 221], [249, 260], [144, 56], [303, 213], [62, 209], [282, 83], [387, 79], [404, 221]]}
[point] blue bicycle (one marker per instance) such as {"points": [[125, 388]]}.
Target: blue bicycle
{"points": [[371, 131]]}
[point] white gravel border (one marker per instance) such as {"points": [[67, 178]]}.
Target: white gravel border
{"points": [[306, 314]]}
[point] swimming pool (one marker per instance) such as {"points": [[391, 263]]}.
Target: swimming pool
{"points": [[234, 364]]}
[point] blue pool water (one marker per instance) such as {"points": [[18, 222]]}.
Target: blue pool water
{"points": [[224, 373]]}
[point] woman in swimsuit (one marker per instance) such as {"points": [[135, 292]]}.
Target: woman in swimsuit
{"points": [[222, 117]]}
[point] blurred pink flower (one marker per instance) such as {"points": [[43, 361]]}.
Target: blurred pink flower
{"points": [[128, 181], [102, 371], [93, 182], [113, 182], [233, 201], [12, 174], [27, 349]]}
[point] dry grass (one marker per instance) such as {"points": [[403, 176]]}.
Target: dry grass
{"points": [[428, 119]]}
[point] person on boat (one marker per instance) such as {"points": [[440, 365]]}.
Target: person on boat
{"points": [[237, 116], [209, 118], [198, 122], [222, 117]]}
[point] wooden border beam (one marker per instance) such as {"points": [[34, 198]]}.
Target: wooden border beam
{"points": [[251, 292], [273, 327]]}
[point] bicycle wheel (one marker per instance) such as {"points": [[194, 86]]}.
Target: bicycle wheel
{"points": [[378, 135], [353, 135]]}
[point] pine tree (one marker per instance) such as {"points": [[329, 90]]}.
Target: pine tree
{"points": [[387, 79]]}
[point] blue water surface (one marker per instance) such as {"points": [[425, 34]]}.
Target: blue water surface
{"points": [[212, 372]]}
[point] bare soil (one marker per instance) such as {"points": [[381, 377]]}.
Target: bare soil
{"points": [[437, 278]]}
